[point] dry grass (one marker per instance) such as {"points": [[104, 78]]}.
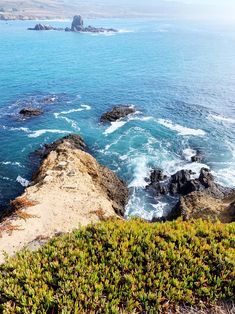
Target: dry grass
{"points": [[7, 227], [99, 213], [23, 215], [22, 202]]}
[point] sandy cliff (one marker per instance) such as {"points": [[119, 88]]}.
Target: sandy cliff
{"points": [[71, 189]]}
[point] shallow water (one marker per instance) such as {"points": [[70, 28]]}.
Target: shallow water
{"points": [[179, 75]]}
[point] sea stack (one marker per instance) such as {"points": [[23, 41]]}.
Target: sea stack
{"points": [[77, 24]]}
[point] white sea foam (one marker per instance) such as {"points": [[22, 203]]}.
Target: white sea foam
{"points": [[226, 176], [114, 127], [71, 122], [70, 111], [87, 107], [5, 178], [22, 181], [82, 108], [120, 123], [141, 171], [220, 118], [126, 31], [41, 132], [37, 133], [18, 164], [188, 153], [181, 129]]}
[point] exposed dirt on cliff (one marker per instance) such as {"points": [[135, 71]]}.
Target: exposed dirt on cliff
{"points": [[71, 189]]}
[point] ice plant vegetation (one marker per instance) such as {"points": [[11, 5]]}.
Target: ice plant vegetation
{"points": [[123, 267]]}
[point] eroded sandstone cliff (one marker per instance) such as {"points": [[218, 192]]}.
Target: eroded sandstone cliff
{"points": [[70, 189]]}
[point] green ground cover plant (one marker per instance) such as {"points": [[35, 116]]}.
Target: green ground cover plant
{"points": [[123, 267]]}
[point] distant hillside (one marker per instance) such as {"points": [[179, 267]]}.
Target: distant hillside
{"points": [[61, 9], [91, 8]]}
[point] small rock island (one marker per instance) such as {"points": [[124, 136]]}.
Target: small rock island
{"points": [[77, 26]]}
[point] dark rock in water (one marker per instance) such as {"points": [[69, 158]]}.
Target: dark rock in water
{"points": [[116, 113], [179, 180], [216, 190], [182, 183], [157, 176], [49, 100], [75, 141], [197, 158], [77, 24], [30, 112], [42, 27], [157, 185]]}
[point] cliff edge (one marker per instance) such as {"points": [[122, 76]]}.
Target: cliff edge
{"points": [[70, 189]]}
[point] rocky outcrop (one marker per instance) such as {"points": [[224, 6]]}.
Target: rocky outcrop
{"points": [[42, 27], [69, 190], [198, 198], [30, 112], [77, 26], [183, 183], [116, 113], [200, 205]]}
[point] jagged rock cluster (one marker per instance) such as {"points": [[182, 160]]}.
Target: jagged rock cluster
{"points": [[77, 26], [198, 198]]}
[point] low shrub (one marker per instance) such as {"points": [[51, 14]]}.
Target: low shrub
{"points": [[123, 267]]}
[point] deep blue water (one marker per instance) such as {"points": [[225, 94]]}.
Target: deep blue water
{"points": [[179, 75]]}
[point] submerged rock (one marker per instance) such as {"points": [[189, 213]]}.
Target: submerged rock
{"points": [[30, 112], [116, 113]]}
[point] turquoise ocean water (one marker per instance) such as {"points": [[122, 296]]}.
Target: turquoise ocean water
{"points": [[179, 75]]}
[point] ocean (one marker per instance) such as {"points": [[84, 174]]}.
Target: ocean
{"points": [[179, 75]]}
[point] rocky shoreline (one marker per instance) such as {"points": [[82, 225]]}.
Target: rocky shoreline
{"points": [[71, 189]]}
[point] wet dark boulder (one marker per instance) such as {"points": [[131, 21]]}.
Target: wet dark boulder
{"points": [[183, 183], [207, 180], [116, 113], [157, 184], [30, 112], [197, 158]]}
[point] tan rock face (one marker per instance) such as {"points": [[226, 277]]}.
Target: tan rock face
{"points": [[199, 205], [71, 189]]}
